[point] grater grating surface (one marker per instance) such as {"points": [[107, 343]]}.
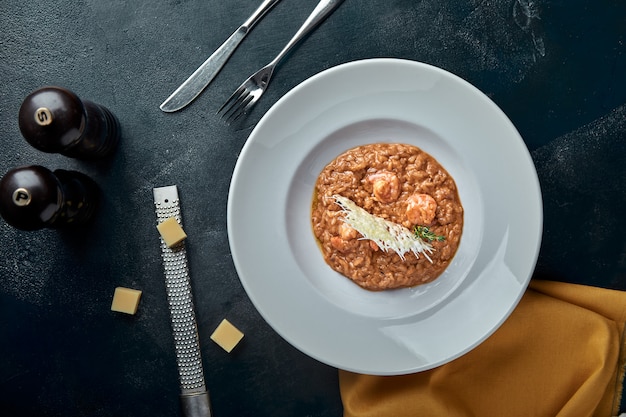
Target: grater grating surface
{"points": [[179, 297]]}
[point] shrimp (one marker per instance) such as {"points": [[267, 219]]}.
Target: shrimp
{"points": [[347, 232], [421, 209], [343, 242], [386, 186]]}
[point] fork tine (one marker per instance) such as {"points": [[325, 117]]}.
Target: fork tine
{"points": [[242, 108], [245, 96], [235, 109], [232, 101]]}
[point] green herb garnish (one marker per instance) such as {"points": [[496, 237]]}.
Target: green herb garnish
{"points": [[424, 233]]}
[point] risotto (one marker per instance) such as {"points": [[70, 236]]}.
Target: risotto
{"points": [[371, 189]]}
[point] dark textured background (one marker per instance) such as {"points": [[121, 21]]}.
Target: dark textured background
{"points": [[556, 68]]}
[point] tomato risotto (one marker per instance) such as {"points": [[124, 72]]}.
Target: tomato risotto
{"points": [[386, 216]]}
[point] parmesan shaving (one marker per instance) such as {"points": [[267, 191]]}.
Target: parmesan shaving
{"points": [[387, 235]]}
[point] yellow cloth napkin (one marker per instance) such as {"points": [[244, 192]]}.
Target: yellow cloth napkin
{"points": [[559, 354]]}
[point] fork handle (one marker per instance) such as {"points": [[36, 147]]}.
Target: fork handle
{"points": [[321, 11]]}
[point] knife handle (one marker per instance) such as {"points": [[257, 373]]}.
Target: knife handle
{"points": [[258, 14]]}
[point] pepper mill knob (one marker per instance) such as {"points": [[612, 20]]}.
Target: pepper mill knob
{"points": [[55, 120], [33, 197]]}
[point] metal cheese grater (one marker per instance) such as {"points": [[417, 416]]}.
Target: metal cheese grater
{"points": [[194, 395]]}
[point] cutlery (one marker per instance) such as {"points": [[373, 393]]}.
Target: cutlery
{"points": [[251, 90], [203, 76]]}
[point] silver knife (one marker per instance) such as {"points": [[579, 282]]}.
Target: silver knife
{"points": [[203, 76]]}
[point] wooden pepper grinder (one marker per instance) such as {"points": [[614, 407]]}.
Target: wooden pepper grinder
{"points": [[33, 197], [55, 120]]}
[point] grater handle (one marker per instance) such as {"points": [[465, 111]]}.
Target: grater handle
{"points": [[196, 405]]}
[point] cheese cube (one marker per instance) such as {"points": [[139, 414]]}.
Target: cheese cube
{"points": [[171, 232], [226, 335], [125, 300]]}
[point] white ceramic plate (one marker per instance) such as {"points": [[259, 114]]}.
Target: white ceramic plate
{"points": [[324, 314]]}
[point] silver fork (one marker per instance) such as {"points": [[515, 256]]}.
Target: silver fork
{"points": [[248, 93]]}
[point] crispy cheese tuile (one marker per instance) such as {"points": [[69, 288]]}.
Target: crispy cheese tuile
{"points": [[387, 235]]}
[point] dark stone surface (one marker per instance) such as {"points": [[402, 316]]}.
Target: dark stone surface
{"points": [[556, 68]]}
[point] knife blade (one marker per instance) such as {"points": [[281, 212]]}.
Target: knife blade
{"points": [[203, 76]]}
